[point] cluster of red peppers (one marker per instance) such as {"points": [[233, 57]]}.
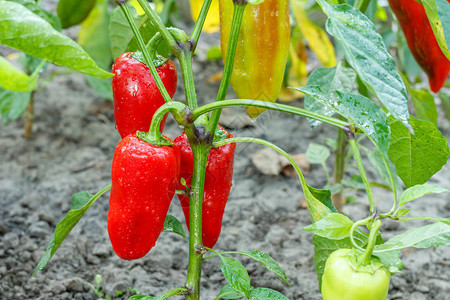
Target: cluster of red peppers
{"points": [[421, 41], [145, 177]]}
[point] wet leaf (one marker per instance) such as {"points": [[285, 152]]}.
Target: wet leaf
{"points": [[266, 293], [172, 224], [236, 275], [418, 191], [334, 226]]}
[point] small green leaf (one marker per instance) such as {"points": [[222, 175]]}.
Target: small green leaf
{"points": [[329, 79], [433, 235], [73, 12], [13, 104], [445, 99], [14, 79], [417, 156], [365, 51], [214, 53], [334, 226], [403, 211], [81, 202], [418, 191], [267, 261], [266, 293], [142, 297], [236, 275], [25, 31], [227, 292], [391, 261], [172, 224], [317, 154]]}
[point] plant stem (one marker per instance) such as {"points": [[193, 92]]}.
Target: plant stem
{"points": [[195, 35], [339, 167], [274, 106], [188, 79], [148, 60], [362, 171], [238, 12], [354, 227], [367, 256], [200, 153], [361, 5], [156, 21], [29, 118]]}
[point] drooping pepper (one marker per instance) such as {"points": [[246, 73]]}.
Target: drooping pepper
{"points": [[144, 180], [421, 41], [262, 49], [136, 96], [219, 174], [212, 19]]}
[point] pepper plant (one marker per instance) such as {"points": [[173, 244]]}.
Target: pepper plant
{"points": [[148, 168]]}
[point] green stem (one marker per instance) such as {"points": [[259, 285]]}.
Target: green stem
{"points": [[188, 79], [195, 35], [154, 136], [200, 153], [362, 171], [339, 167], [367, 256], [274, 106], [156, 21], [148, 60], [354, 227], [361, 5], [238, 12], [394, 189]]}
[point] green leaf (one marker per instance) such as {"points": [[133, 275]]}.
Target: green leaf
{"points": [[418, 191], [403, 211], [365, 51], [94, 35], [35, 8], [81, 202], [14, 79], [236, 275], [12, 104], [214, 53], [73, 12], [323, 196], [267, 261], [433, 235], [438, 13], [172, 224], [142, 297], [423, 103], [333, 226], [417, 156], [266, 293], [317, 154], [365, 113], [445, 99], [391, 261], [329, 79], [25, 31], [227, 292], [122, 37]]}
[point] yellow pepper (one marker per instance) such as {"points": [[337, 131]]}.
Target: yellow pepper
{"points": [[261, 52]]}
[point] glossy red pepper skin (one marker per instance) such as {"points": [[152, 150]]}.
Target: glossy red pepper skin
{"points": [[144, 180], [421, 41], [218, 181], [136, 96]]}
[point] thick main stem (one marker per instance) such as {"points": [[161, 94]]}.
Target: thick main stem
{"points": [[200, 153]]}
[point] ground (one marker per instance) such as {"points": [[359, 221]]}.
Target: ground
{"points": [[71, 151]]}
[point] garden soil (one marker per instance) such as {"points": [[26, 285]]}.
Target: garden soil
{"points": [[71, 151]]}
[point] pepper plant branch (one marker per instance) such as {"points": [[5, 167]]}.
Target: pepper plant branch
{"points": [[354, 227], [156, 21], [188, 79], [238, 12], [366, 258], [362, 171], [273, 106], [195, 35], [394, 189], [148, 60]]}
